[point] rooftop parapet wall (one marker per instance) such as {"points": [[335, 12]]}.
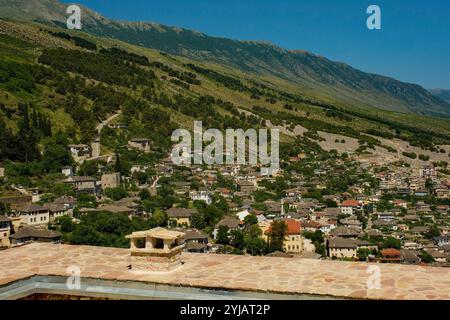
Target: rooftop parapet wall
{"points": [[229, 272]]}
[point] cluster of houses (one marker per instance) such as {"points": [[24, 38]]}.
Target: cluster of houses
{"points": [[349, 227]]}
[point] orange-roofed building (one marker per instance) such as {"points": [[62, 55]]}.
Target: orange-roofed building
{"points": [[390, 255], [349, 206], [293, 241]]}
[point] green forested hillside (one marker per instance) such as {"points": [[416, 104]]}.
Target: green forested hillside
{"points": [[308, 73], [56, 86]]}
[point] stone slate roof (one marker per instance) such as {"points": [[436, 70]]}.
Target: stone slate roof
{"points": [[180, 212], [342, 243], [344, 231], [31, 207], [27, 232], [230, 222]]}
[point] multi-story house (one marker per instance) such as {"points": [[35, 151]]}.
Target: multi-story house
{"points": [[110, 180], [293, 242], [34, 215], [426, 171], [349, 206], [201, 196], [79, 150], [83, 184]]}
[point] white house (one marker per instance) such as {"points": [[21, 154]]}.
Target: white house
{"points": [[242, 214], [79, 150], [349, 206], [201, 196], [327, 227], [34, 215], [67, 171]]}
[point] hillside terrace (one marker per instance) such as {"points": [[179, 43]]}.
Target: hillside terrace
{"points": [[288, 278]]}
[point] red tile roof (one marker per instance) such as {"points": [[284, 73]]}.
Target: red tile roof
{"points": [[390, 252], [293, 227], [350, 203]]}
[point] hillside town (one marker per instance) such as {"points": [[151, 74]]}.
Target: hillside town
{"points": [[319, 205]]}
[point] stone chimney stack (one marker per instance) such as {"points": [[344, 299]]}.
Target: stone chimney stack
{"points": [[156, 250]]}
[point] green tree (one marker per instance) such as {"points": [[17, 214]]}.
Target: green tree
{"points": [[277, 235], [223, 235], [144, 194], [65, 224], [433, 232], [198, 220], [237, 239], [116, 193], [391, 242], [56, 153], [159, 218], [253, 242], [426, 257], [250, 220], [362, 253]]}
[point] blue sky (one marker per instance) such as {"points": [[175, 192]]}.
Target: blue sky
{"points": [[413, 44]]}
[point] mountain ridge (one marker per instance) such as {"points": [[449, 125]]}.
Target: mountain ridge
{"points": [[310, 73], [444, 94]]}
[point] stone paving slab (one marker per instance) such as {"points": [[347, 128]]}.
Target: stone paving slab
{"points": [[265, 274]]}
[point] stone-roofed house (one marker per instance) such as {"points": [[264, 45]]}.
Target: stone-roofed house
{"points": [[141, 144], [352, 222], [409, 256], [196, 240], [373, 233], [69, 202], [79, 150], [232, 223], [342, 248], [115, 208], [345, 232], [246, 187], [181, 216], [419, 230], [438, 256], [83, 184], [57, 210], [110, 180], [33, 214], [26, 234]]}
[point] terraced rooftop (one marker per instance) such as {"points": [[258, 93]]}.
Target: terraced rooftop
{"points": [[275, 277]]}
